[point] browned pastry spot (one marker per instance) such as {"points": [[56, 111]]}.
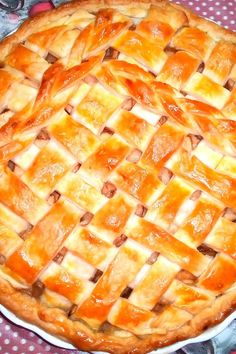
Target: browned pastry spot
{"points": [[2, 259], [132, 27], [15, 168], [165, 175], [141, 210], [108, 131], [76, 167], [196, 195], [161, 305], [111, 53], [97, 275], [230, 84], [201, 67], [43, 135], [170, 50], [153, 258], [54, 197], [207, 251], [60, 255], [11, 165], [23, 234], [162, 120], [5, 110], [50, 58], [37, 289], [69, 108], [85, 60], [106, 327], [120, 240], [126, 292], [86, 219], [195, 140], [72, 310], [42, 138], [108, 189]]}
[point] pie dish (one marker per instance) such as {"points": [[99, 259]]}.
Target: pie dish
{"points": [[118, 174], [210, 333]]}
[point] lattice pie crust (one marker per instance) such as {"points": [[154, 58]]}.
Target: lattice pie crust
{"points": [[118, 174]]}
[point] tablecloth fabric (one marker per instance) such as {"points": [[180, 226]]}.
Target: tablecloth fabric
{"points": [[14, 339]]}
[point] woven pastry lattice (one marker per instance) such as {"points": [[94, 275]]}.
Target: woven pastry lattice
{"points": [[118, 170]]}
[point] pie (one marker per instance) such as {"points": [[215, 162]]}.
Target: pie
{"points": [[118, 174]]}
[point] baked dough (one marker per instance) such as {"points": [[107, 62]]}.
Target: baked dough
{"points": [[118, 174]]}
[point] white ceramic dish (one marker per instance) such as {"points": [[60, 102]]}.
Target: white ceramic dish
{"points": [[208, 334]]}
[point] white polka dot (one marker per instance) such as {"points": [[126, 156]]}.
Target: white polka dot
{"points": [[204, 13], [211, 8], [39, 341], [31, 348], [15, 348], [7, 328], [232, 22], [225, 17], [217, 3], [23, 341], [32, 334], [190, 3], [6, 341], [212, 17], [231, 12], [204, 4], [1, 320], [47, 348], [197, 8], [218, 12], [0, 347], [224, 7], [15, 334]]}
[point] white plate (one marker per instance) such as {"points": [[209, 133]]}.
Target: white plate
{"points": [[208, 334]]}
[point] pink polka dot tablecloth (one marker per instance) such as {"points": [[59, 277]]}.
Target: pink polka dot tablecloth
{"points": [[223, 12], [14, 339]]}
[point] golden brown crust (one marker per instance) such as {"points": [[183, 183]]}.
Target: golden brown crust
{"points": [[34, 24], [56, 321]]}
